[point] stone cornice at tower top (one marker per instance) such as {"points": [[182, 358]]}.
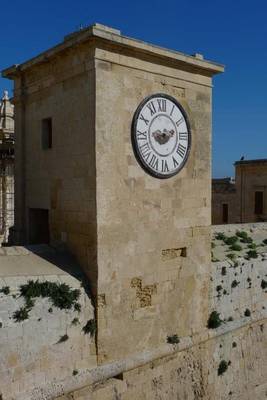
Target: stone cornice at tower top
{"points": [[114, 39]]}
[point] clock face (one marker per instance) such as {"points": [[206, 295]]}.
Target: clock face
{"points": [[161, 135]]}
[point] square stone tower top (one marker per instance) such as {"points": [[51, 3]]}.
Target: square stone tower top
{"points": [[113, 36]]}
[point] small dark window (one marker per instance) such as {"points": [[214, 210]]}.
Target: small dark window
{"points": [[258, 202], [225, 213], [47, 133], [38, 226]]}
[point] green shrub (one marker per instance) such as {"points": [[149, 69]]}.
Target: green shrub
{"points": [[236, 247], [223, 366], [264, 241], [223, 270], [77, 307], [90, 327], [75, 372], [21, 314], [252, 246], [173, 339], [214, 320], [231, 240], [246, 240], [75, 321], [61, 295], [242, 234], [220, 236], [264, 284], [5, 290], [252, 254], [234, 283]]}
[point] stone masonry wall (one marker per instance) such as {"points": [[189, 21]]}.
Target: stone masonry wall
{"points": [[48, 345], [238, 293], [153, 235]]}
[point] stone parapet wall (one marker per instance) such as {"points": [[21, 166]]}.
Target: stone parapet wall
{"points": [[50, 344], [193, 374]]}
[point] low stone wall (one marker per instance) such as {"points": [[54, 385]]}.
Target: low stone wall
{"points": [[50, 344], [193, 374]]}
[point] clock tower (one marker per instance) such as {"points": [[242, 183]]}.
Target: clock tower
{"points": [[113, 141]]}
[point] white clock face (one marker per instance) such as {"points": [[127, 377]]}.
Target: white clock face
{"points": [[161, 135]]}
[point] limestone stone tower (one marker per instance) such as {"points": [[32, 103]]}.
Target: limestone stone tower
{"points": [[113, 140]]}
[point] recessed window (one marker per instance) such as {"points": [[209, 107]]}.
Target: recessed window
{"points": [[46, 133], [225, 213], [258, 202]]}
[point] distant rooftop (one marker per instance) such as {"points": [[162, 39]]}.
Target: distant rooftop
{"points": [[258, 161]]}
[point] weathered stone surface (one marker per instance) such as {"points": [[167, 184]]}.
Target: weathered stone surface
{"points": [[144, 243]]}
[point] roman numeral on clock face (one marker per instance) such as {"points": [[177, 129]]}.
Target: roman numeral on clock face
{"points": [[180, 121], [164, 166], [142, 135], [181, 150], [154, 162], [146, 121], [183, 135], [161, 105], [151, 108]]}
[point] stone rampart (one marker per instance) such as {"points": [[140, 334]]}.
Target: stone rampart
{"points": [[226, 362]]}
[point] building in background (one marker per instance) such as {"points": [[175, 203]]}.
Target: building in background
{"points": [[243, 199], [6, 166]]}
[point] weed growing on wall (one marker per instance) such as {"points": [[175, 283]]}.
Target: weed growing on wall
{"points": [[5, 290], [252, 254], [60, 294], [236, 247], [220, 236], [235, 283], [90, 327], [21, 314], [231, 240], [252, 246], [242, 234], [63, 339], [173, 339], [223, 366], [231, 256], [214, 320]]}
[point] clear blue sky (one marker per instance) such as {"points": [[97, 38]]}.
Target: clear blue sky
{"points": [[233, 33]]}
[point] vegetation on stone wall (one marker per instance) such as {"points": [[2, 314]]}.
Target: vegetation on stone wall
{"points": [[223, 366], [5, 290], [173, 339], [90, 327], [60, 294], [214, 320]]}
